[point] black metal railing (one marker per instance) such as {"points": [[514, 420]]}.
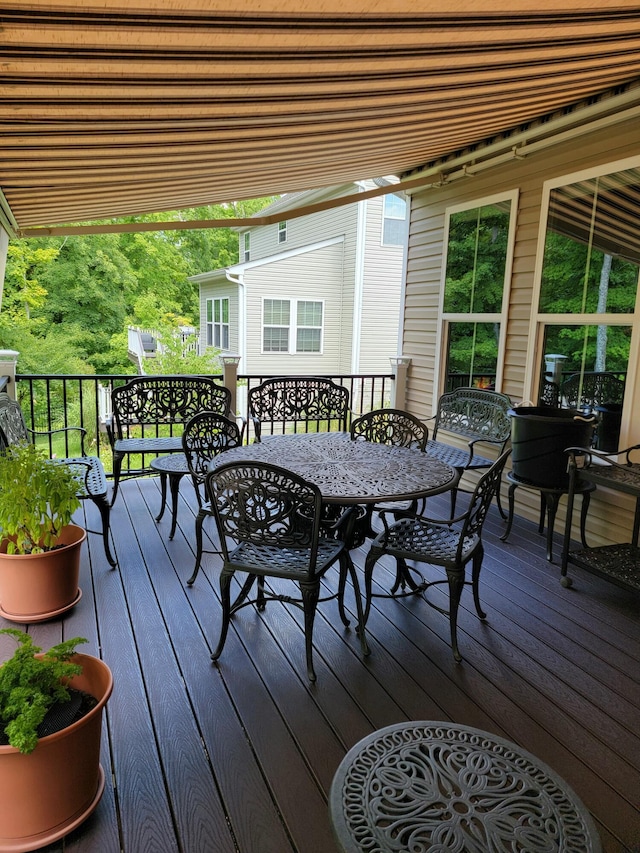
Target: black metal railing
{"points": [[53, 402]]}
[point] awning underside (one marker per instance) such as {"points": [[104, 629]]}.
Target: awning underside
{"points": [[115, 110]]}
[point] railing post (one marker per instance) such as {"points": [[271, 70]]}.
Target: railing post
{"points": [[8, 359], [400, 364], [230, 363]]}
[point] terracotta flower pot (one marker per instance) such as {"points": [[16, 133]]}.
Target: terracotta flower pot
{"points": [[51, 791], [35, 587]]}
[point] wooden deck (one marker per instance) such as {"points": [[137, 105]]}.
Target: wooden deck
{"points": [[240, 756]]}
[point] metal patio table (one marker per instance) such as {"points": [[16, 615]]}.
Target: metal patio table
{"points": [[350, 472], [425, 786]]}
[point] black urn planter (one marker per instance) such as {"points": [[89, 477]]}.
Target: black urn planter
{"points": [[539, 438]]}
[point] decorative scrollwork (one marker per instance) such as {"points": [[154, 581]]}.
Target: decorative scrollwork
{"points": [[391, 426], [291, 399], [167, 400], [475, 413], [444, 787]]}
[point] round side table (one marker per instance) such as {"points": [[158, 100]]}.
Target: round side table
{"points": [[424, 786], [174, 466]]}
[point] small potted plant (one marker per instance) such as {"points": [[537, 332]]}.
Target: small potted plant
{"points": [[39, 547], [50, 729]]}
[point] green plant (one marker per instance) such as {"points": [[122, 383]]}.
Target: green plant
{"points": [[30, 685], [38, 497]]}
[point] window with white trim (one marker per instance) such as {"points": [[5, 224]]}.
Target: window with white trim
{"points": [[218, 323], [292, 325], [394, 215], [246, 256], [588, 282], [477, 272], [282, 232]]}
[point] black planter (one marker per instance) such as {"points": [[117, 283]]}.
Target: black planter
{"points": [[608, 434], [539, 438]]}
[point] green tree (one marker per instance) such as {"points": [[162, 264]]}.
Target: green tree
{"points": [[67, 302]]}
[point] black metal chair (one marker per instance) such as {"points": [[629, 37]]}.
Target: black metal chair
{"points": [[205, 436], [269, 523], [397, 428], [450, 543], [89, 471]]}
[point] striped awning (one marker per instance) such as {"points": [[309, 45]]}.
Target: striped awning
{"points": [[112, 109]]}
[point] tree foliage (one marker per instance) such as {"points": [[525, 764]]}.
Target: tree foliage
{"points": [[67, 301]]}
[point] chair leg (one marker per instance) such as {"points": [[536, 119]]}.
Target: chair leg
{"points": [[225, 597], [105, 511], [199, 522], [244, 592], [370, 561], [342, 584], [454, 498], [456, 585], [310, 595], [477, 565], [117, 468], [349, 567]]}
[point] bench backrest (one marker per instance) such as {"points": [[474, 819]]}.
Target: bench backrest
{"points": [[316, 402], [591, 390], [158, 400], [474, 414]]}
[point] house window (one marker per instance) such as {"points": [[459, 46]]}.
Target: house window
{"points": [[276, 322], [292, 326], [476, 276], [393, 221], [282, 232], [589, 280], [218, 323], [247, 246], [309, 326]]}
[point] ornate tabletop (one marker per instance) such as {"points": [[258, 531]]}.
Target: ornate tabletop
{"points": [[426, 786], [348, 471]]}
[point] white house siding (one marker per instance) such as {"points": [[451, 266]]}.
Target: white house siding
{"points": [[380, 302], [220, 289], [315, 275], [610, 516]]}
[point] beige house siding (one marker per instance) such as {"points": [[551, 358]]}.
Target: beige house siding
{"points": [[315, 276], [610, 517], [380, 303], [302, 231]]}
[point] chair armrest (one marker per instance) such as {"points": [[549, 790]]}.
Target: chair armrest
{"points": [[50, 432]]}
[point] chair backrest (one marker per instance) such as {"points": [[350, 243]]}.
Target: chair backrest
{"points": [[589, 390], [481, 498], [391, 426], [476, 414], [265, 505], [205, 436], [158, 400], [13, 428], [285, 401]]}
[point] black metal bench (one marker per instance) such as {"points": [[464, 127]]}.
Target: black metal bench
{"points": [[150, 412], [89, 471], [478, 416], [286, 402]]}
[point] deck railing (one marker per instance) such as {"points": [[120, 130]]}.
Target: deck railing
{"points": [[55, 402]]}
